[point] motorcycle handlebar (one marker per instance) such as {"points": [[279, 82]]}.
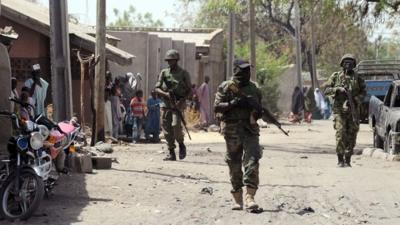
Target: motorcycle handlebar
{"points": [[19, 102]]}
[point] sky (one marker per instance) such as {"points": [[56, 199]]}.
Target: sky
{"points": [[85, 10]]}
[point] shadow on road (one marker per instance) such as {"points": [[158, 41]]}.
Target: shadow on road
{"points": [[64, 206], [181, 176]]}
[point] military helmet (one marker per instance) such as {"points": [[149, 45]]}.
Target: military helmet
{"points": [[241, 63], [172, 54], [348, 56]]}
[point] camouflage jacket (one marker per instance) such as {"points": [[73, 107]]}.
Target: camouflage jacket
{"points": [[177, 81], [234, 120], [354, 83]]}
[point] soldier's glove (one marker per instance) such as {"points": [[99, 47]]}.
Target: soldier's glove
{"points": [[254, 104], [340, 90], [238, 102]]}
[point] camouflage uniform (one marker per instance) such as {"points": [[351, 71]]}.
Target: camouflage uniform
{"points": [[241, 135], [178, 82], [346, 128]]}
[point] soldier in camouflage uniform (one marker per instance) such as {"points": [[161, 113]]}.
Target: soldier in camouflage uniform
{"points": [[173, 82], [241, 133], [346, 127]]}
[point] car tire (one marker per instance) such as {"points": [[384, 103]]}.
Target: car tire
{"points": [[378, 143], [388, 145]]}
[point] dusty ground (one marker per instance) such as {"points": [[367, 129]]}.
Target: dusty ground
{"points": [[296, 172]]}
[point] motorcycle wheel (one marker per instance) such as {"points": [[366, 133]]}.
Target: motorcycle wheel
{"points": [[21, 205]]}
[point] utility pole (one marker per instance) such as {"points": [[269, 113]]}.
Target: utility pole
{"points": [[84, 62], [314, 63], [100, 71], [298, 45], [231, 50], [60, 60], [252, 32]]}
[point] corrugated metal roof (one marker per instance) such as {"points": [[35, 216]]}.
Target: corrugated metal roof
{"points": [[37, 18]]}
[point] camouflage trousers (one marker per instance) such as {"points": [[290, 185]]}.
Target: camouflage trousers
{"points": [[171, 125], [243, 151], [346, 133]]}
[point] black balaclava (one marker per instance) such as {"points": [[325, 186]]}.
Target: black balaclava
{"points": [[242, 76], [348, 66]]}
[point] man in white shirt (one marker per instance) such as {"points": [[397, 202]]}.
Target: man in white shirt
{"points": [[38, 90]]}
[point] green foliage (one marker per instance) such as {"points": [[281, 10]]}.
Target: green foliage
{"points": [[269, 68], [386, 49], [131, 18]]}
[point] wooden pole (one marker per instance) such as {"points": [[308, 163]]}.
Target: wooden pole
{"points": [[82, 95], [313, 42], [100, 70], [252, 34], [83, 63], [298, 45], [60, 60], [231, 50]]}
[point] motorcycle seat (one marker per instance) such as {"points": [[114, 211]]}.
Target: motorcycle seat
{"points": [[66, 128]]}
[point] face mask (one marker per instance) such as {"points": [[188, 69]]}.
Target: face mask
{"points": [[348, 65], [243, 76]]}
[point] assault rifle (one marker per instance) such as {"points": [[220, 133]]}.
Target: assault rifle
{"points": [[353, 108], [179, 112], [253, 103]]}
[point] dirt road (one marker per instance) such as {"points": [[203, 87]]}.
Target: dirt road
{"points": [[296, 172]]}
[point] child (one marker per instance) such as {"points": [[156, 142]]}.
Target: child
{"points": [[26, 111], [137, 110], [153, 118]]}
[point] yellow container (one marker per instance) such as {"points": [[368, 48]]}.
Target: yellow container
{"points": [[72, 149]]}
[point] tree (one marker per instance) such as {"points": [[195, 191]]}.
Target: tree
{"points": [[269, 68], [131, 18], [275, 24]]}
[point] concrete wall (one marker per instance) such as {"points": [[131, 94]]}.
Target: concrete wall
{"points": [[190, 60], [30, 44], [150, 52], [5, 85], [287, 83], [215, 68], [137, 44], [166, 44], [180, 47], [153, 63]]}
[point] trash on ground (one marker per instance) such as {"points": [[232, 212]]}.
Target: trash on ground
{"points": [[207, 190]]}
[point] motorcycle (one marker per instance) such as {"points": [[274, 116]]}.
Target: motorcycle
{"points": [[61, 140], [27, 169], [25, 177]]}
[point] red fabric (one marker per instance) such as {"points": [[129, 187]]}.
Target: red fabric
{"points": [[137, 107]]}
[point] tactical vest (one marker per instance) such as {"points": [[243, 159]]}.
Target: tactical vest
{"points": [[175, 81], [236, 113], [351, 83]]}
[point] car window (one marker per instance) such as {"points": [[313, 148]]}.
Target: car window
{"points": [[397, 101], [388, 96], [378, 77]]}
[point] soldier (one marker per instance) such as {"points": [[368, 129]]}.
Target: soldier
{"points": [[173, 84], [346, 90], [241, 132]]}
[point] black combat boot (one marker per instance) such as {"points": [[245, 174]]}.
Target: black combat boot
{"points": [[340, 160], [171, 156], [348, 160], [182, 150]]}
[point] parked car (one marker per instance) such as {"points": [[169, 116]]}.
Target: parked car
{"points": [[378, 75], [384, 119]]}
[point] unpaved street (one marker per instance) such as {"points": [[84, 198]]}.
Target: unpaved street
{"points": [[296, 172]]}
